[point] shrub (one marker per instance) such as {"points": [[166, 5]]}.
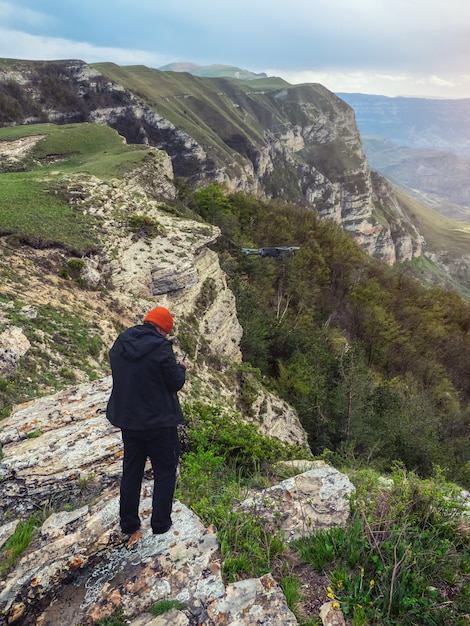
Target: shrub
{"points": [[400, 555], [144, 226]]}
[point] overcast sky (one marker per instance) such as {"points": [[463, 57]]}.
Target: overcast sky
{"points": [[389, 47]]}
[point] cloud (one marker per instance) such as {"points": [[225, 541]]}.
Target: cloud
{"points": [[19, 45], [400, 84], [397, 45], [23, 18]]}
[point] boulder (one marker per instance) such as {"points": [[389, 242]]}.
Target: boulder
{"points": [[317, 498]]}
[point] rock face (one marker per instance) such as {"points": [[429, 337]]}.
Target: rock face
{"points": [[13, 345], [317, 498], [300, 143], [56, 445], [170, 267], [79, 570], [61, 448]]}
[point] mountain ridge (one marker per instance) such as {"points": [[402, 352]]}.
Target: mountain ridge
{"points": [[262, 136]]}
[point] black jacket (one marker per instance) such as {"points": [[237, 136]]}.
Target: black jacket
{"points": [[146, 377]]}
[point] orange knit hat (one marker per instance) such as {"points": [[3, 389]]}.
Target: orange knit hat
{"points": [[161, 317]]}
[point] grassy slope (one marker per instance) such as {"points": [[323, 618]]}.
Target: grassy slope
{"points": [[31, 206], [440, 233], [195, 105]]}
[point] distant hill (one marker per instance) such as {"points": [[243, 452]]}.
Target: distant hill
{"points": [[438, 178], [421, 145], [414, 122], [212, 71]]}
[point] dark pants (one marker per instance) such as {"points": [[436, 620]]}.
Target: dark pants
{"points": [[162, 447]]}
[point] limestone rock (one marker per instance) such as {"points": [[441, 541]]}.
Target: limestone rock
{"points": [[57, 446], [13, 345], [275, 418], [6, 531], [331, 616], [316, 499], [79, 570], [80, 562], [251, 602]]}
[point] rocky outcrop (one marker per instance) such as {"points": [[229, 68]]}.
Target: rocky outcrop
{"points": [[317, 498], [60, 449], [78, 568], [148, 255], [13, 345], [56, 445]]}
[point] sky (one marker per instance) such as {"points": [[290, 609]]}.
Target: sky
{"points": [[416, 48]]}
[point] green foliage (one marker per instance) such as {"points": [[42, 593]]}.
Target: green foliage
{"points": [[223, 454], [401, 559], [188, 335], [206, 296], [222, 435], [374, 363], [118, 618], [34, 434], [291, 587], [144, 226], [18, 542], [68, 336], [166, 605], [212, 204], [72, 270], [250, 545]]}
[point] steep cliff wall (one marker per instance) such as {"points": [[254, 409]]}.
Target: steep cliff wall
{"points": [[300, 143]]}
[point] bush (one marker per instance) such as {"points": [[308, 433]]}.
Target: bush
{"points": [[223, 457]]}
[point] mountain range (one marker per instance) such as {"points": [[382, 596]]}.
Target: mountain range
{"points": [[421, 145], [299, 143]]}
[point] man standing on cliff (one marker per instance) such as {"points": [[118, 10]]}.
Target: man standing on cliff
{"points": [[145, 406]]}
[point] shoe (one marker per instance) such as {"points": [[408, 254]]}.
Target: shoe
{"points": [[134, 538], [161, 531]]}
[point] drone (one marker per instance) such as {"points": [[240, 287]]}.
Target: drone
{"points": [[275, 251]]}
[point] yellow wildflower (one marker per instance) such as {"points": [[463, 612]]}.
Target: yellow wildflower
{"points": [[336, 605], [372, 583], [330, 595], [340, 584]]}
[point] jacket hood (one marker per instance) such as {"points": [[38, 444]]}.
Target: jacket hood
{"points": [[136, 342]]}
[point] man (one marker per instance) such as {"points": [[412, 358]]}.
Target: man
{"points": [[145, 406]]}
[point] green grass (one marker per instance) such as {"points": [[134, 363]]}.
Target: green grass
{"points": [[401, 560], [440, 233], [159, 608], [18, 542], [30, 211], [68, 338], [91, 148], [34, 203]]}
